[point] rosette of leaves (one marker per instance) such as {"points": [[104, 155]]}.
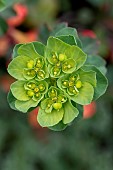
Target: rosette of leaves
{"points": [[58, 77]]}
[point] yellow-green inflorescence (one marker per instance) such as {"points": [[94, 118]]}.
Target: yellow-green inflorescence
{"points": [[55, 99], [72, 84], [41, 74], [60, 63], [35, 90], [35, 68]]}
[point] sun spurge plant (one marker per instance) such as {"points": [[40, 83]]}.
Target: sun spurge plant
{"points": [[58, 77]]}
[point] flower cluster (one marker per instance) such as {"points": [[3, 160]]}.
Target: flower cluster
{"points": [[55, 78]]}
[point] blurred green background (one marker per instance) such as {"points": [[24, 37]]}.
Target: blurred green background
{"points": [[88, 143]]}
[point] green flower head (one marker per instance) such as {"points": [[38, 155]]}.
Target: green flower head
{"points": [[63, 58], [28, 94], [58, 77], [29, 64], [79, 86]]}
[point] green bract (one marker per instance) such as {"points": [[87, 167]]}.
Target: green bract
{"points": [[59, 78]]}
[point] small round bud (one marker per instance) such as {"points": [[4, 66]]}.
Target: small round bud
{"points": [[54, 56], [62, 57], [54, 59], [41, 74], [57, 106], [36, 89], [69, 66], [31, 85], [30, 64], [78, 84], [30, 93], [48, 105], [74, 91], [39, 63], [37, 95], [65, 83], [41, 87], [52, 93], [56, 71]]}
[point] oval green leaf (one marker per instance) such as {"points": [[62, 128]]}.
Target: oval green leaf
{"points": [[16, 67], [102, 82], [18, 90], [59, 127], [28, 50], [85, 95], [24, 106], [50, 119], [70, 112]]}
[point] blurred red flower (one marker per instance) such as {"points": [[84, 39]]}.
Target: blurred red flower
{"points": [[89, 110], [22, 37], [4, 45], [88, 33], [33, 118], [15, 35], [21, 13], [5, 82]]}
